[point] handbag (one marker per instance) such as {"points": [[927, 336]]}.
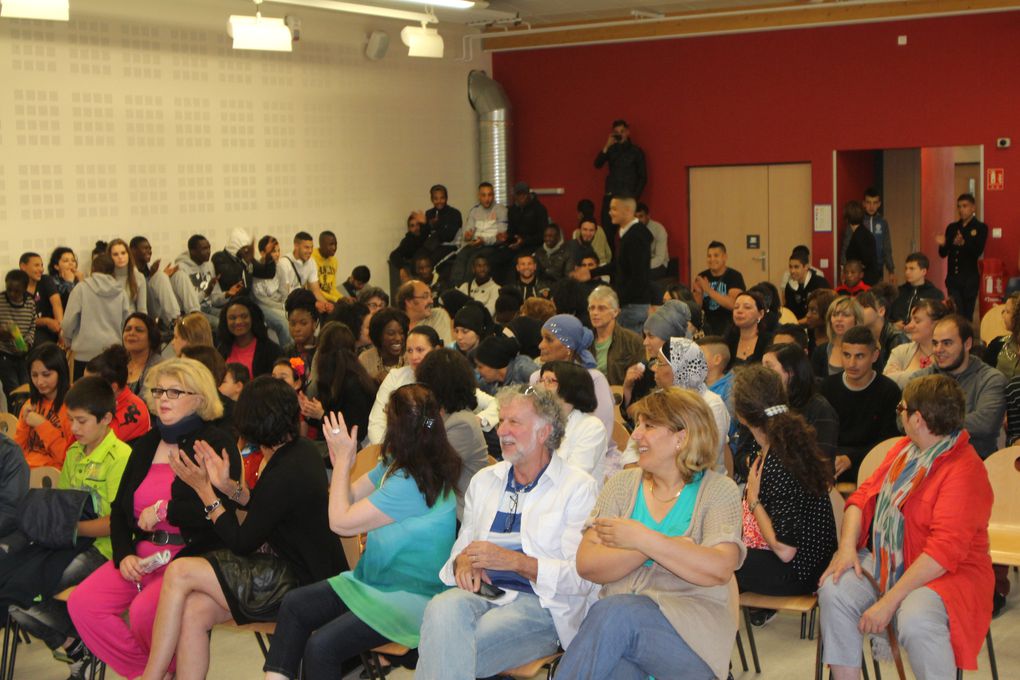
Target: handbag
{"points": [[254, 585]]}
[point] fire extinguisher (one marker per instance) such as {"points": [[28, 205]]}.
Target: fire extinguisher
{"points": [[992, 283]]}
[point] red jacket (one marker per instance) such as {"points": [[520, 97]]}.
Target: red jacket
{"points": [[946, 517], [132, 417]]}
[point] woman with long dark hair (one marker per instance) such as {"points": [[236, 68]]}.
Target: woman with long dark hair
{"points": [[43, 431], [748, 337], [242, 337], [406, 506], [63, 270], [793, 366], [140, 337], [788, 522], [585, 440], [340, 383], [287, 511]]}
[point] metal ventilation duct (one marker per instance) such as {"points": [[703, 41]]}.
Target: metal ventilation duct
{"points": [[493, 108]]}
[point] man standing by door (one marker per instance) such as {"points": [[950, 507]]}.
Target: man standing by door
{"points": [[627, 174], [962, 244]]}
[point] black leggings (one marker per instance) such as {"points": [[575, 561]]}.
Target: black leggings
{"points": [[316, 626], [766, 574]]}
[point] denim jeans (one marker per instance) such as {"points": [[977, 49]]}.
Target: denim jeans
{"points": [[626, 637], [464, 636], [632, 317], [316, 626], [49, 620], [276, 321]]}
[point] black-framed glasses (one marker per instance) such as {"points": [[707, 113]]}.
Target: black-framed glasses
{"points": [[902, 408], [170, 392], [508, 525]]}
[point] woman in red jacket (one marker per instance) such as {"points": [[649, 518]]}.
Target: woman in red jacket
{"points": [[926, 512]]}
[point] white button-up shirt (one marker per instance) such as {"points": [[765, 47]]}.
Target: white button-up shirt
{"points": [[552, 519]]}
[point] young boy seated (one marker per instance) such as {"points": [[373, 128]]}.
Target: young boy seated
{"points": [[234, 380], [359, 278], [17, 330], [916, 288], [95, 462], [853, 279], [719, 380], [131, 418]]}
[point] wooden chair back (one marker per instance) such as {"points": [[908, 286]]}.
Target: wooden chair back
{"points": [[8, 424], [838, 508], [874, 459], [365, 461], [1003, 468], [43, 478], [620, 436], [786, 315], [992, 325]]}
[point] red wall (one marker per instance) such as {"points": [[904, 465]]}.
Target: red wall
{"points": [[855, 172], [781, 96], [937, 177]]}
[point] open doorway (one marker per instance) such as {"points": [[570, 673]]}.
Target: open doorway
{"points": [[919, 187]]}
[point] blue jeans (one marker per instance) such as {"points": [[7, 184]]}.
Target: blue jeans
{"points": [[626, 637], [276, 321], [632, 317], [464, 636]]}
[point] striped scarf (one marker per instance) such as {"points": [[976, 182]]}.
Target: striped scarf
{"points": [[905, 474]]}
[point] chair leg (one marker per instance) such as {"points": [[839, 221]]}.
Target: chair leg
{"points": [[991, 655], [803, 625], [959, 674], [811, 624], [864, 667], [262, 644], [819, 666], [874, 663], [552, 668], [13, 655], [750, 639], [740, 650]]}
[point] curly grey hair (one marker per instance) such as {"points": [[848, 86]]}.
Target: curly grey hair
{"points": [[548, 407]]}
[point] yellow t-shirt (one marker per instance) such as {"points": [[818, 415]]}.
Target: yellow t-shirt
{"points": [[327, 276]]}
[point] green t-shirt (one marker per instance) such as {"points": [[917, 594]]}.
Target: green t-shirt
{"points": [[99, 472], [399, 571], [678, 519], [602, 354]]}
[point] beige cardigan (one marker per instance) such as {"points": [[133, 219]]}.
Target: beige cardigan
{"points": [[702, 616]]}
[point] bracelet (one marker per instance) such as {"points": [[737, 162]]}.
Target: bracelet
{"points": [[236, 496], [161, 510], [210, 509], [754, 505]]}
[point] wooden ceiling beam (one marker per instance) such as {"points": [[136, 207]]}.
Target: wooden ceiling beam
{"points": [[774, 17]]}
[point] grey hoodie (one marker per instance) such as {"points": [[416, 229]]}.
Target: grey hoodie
{"points": [[95, 314], [199, 278]]}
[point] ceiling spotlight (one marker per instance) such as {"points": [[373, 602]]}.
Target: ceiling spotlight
{"points": [[450, 4], [260, 33], [422, 42], [50, 10]]}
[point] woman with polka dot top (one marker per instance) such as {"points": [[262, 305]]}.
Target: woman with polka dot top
{"points": [[789, 528]]}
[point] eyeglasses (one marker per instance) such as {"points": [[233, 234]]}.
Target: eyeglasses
{"points": [[508, 524], [901, 408], [548, 380], [171, 393]]}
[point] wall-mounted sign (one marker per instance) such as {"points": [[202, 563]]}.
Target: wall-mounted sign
{"points": [[823, 217], [995, 179], [753, 242]]}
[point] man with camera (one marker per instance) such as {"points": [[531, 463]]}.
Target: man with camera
{"points": [[627, 174]]}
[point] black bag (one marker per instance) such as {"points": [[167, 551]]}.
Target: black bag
{"points": [[49, 517]]}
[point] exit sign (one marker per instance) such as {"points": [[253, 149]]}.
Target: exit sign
{"points": [[995, 179]]}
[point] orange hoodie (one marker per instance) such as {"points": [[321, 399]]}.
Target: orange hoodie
{"points": [[46, 444]]}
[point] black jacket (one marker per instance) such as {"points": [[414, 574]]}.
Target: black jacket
{"points": [[185, 511], [13, 483], [627, 173], [528, 222], [629, 269], [910, 296], [289, 509], [443, 225], [862, 249], [230, 269], [962, 260]]}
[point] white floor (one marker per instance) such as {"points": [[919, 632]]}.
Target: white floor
{"points": [[782, 653]]}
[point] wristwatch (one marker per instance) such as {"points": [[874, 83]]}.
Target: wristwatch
{"points": [[210, 509]]}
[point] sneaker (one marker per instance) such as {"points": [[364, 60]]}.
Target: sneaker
{"points": [[762, 617]]}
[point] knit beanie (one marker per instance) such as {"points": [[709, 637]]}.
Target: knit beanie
{"points": [[497, 351]]}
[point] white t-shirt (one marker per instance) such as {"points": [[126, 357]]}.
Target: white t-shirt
{"points": [[293, 273]]}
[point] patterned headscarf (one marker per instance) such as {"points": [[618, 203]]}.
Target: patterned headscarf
{"points": [[690, 369], [571, 332]]}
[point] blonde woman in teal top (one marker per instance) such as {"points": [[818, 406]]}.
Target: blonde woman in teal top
{"points": [[407, 506]]}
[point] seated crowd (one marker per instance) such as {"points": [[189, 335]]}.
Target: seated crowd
{"points": [[215, 408]]}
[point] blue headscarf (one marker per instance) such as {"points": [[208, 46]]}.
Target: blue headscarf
{"points": [[571, 332]]}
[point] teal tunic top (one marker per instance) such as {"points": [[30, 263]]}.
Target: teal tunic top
{"points": [[399, 571], [678, 518]]}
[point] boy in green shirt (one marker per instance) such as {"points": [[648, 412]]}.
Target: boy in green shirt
{"points": [[95, 462]]}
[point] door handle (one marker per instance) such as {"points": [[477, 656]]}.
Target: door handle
{"points": [[761, 258]]}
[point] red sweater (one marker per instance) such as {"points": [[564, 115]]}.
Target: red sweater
{"points": [[132, 417], [946, 517]]}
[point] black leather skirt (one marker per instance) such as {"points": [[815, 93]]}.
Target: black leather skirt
{"points": [[253, 585]]}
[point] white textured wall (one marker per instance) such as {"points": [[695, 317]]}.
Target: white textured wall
{"points": [[137, 117]]}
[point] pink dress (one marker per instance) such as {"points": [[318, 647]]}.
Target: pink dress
{"points": [[98, 604]]}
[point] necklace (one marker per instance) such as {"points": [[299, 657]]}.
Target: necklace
{"points": [[668, 500]]}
